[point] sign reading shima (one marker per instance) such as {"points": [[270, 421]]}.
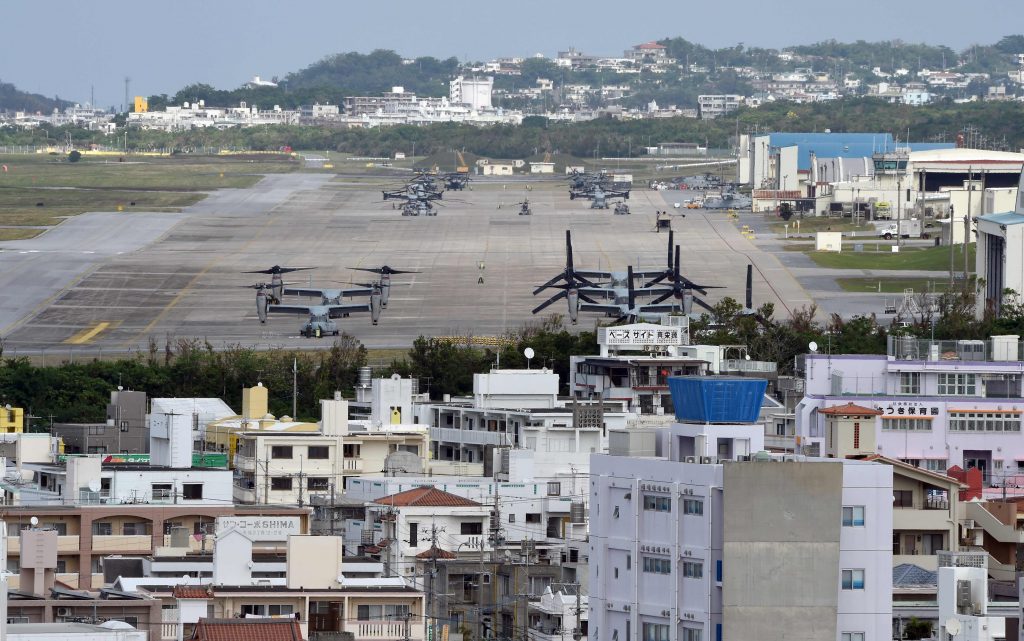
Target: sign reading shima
{"points": [[260, 528]]}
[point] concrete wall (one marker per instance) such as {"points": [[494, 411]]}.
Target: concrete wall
{"points": [[781, 550]]}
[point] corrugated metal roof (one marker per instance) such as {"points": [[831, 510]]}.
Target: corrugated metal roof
{"points": [[207, 408]]}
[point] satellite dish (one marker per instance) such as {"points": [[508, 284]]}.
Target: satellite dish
{"points": [[34, 521], [94, 485], [953, 626], [812, 346], [529, 353]]}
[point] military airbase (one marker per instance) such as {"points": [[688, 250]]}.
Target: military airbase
{"points": [[117, 282]]}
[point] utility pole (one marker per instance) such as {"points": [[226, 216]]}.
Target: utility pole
{"points": [[480, 595], [301, 474], [430, 584], [295, 387], [967, 218], [407, 626], [951, 247], [577, 631]]}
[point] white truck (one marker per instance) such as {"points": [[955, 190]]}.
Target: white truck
{"points": [[907, 228]]}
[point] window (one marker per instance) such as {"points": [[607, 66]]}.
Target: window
{"points": [[693, 506], [135, 529], [124, 426], [934, 465], [511, 518], [351, 450], [910, 383], [62, 566], [414, 534], [853, 516], [693, 569], [532, 517], [853, 579], [657, 565], [102, 528], [957, 384], [161, 490], [281, 483], [691, 634], [471, 528], [381, 612], [657, 503], [984, 421], [655, 632], [906, 424], [60, 528], [902, 498], [554, 488], [317, 484], [192, 491], [318, 452], [852, 636], [267, 609]]}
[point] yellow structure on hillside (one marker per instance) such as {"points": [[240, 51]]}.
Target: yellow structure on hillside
{"points": [[12, 420], [141, 105]]}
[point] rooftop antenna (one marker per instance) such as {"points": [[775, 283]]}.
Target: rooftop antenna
{"points": [[127, 85]]}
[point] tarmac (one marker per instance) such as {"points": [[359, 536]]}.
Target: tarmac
{"points": [[117, 282]]}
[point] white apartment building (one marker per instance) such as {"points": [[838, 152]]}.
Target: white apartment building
{"points": [[474, 93], [687, 547], [518, 409], [715, 105], [941, 404]]}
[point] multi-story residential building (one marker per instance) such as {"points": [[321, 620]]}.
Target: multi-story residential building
{"points": [[125, 431], [936, 404], [288, 465], [693, 546], [12, 420], [557, 616], [517, 409], [38, 598], [715, 105], [474, 93], [636, 361], [387, 102], [314, 588]]}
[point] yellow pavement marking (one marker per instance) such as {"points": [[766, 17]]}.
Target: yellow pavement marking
{"points": [[86, 335]]}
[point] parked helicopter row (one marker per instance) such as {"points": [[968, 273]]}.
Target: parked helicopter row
{"points": [[421, 194], [333, 301], [615, 294], [599, 188]]}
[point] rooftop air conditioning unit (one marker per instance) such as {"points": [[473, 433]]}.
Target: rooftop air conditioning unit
{"points": [[63, 612], [690, 459], [970, 350]]}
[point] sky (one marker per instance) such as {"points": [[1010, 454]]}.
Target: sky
{"points": [[69, 48]]}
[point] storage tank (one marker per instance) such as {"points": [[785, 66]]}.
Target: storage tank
{"points": [[577, 512]]}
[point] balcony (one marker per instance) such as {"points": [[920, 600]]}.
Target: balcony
{"points": [[65, 544], [245, 463], [352, 465], [243, 494], [468, 437], [385, 630], [122, 543]]}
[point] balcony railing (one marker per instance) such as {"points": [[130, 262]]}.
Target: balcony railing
{"points": [[385, 629]]}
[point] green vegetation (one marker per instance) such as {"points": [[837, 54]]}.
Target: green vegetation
{"points": [[42, 190], [18, 233], [893, 285], [929, 259], [13, 100]]}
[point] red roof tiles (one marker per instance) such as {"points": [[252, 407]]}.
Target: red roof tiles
{"points": [[426, 497], [850, 409], [247, 630], [190, 592]]}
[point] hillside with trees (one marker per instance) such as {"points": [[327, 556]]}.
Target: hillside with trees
{"points": [[11, 99]]}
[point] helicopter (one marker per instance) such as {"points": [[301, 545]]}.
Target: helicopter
{"points": [[320, 317], [598, 196], [274, 292], [455, 181], [412, 191], [524, 207], [384, 282]]}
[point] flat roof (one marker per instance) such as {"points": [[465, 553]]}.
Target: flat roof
{"points": [[1004, 218]]}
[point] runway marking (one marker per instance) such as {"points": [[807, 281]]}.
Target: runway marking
{"points": [[88, 334]]}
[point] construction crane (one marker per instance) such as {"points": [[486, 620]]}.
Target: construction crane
{"points": [[462, 168]]}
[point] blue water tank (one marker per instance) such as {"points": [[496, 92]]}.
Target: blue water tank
{"points": [[716, 399]]}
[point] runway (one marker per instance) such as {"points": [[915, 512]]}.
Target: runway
{"points": [[169, 276]]}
